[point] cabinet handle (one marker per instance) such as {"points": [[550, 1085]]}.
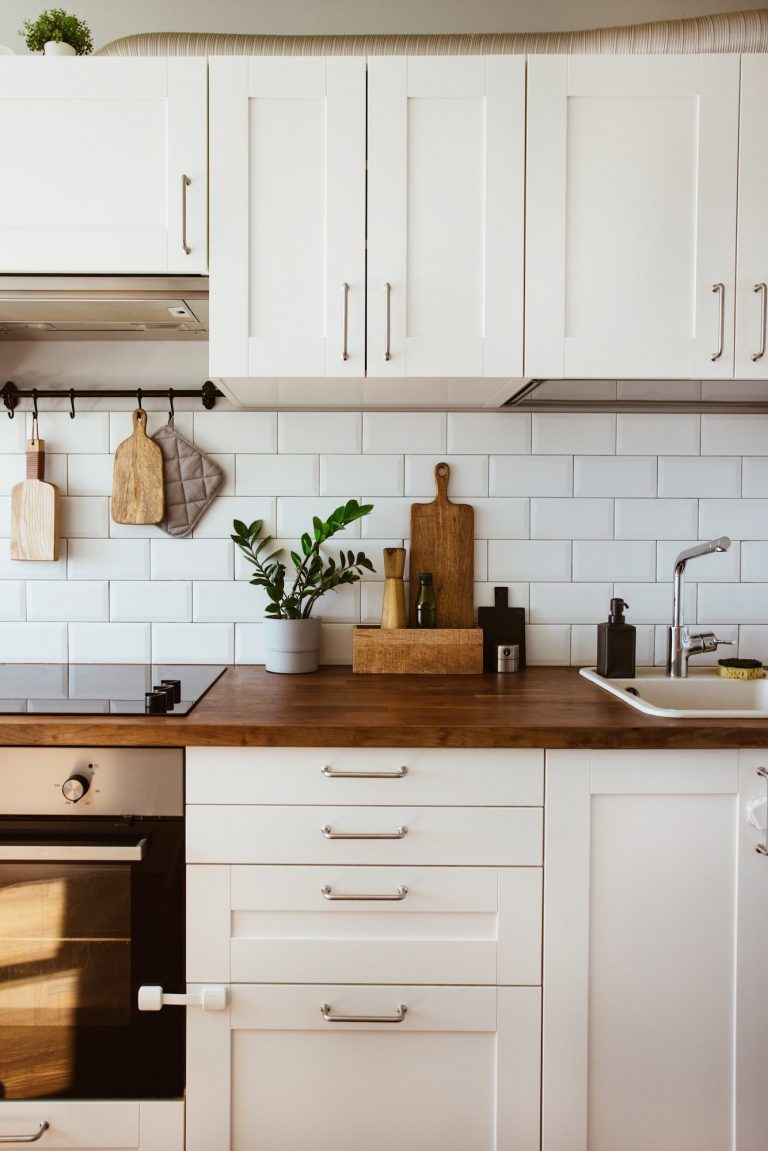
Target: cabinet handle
{"points": [[329, 893], [329, 1017], [764, 289], [329, 833], [44, 1125], [329, 773], [185, 182], [388, 327], [720, 289], [345, 323], [752, 816]]}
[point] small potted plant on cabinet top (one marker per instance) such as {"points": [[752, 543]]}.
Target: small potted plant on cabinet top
{"points": [[57, 33], [291, 635]]}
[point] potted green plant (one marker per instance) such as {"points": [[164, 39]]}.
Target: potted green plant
{"points": [[57, 33], [291, 634]]}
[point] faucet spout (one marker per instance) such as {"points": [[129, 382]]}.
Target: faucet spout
{"points": [[680, 643]]}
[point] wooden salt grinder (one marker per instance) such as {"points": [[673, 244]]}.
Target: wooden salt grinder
{"points": [[393, 607]]}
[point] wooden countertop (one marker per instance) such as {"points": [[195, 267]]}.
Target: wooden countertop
{"points": [[540, 707]]}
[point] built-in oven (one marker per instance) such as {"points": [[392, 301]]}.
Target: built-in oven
{"points": [[91, 908]]}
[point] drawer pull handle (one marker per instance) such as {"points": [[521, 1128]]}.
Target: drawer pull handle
{"points": [[720, 290], [44, 1125], [329, 893], [329, 833], [758, 820], [185, 182], [329, 1017], [329, 773]]}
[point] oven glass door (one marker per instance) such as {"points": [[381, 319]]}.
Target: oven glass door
{"points": [[89, 910]]}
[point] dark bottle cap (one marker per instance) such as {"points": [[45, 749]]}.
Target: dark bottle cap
{"points": [[425, 577], [176, 685], [170, 694], [617, 611], [156, 702]]}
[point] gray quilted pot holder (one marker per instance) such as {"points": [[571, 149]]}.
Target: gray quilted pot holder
{"points": [[190, 480]]}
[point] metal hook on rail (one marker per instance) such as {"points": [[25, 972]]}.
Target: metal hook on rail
{"points": [[171, 412], [139, 394], [72, 403]]}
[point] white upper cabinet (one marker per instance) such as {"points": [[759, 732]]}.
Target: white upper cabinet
{"points": [[104, 165], [631, 216], [752, 262], [444, 204]]}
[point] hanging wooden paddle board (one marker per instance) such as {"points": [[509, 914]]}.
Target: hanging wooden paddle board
{"points": [[35, 511], [137, 477], [443, 542]]}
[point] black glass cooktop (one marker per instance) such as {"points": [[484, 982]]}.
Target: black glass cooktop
{"points": [[103, 688]]}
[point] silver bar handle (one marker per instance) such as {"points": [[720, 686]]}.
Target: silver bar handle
{"points": [[329, 893], [762, 848], [720, 289], [345, 323], [185, 182], [388, 327], [329, 1017], [44, 1125], [72, 852], [329, 773], [763, 288], [329, 833]]}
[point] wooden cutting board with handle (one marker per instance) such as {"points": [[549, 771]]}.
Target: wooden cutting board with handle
{"points": [[443, 542], [137, 477], [35, 510]]}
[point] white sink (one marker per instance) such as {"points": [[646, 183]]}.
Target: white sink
{"points": [[702, 694]]}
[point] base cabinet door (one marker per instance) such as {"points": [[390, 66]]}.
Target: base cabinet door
{"points": [[341, 1068], [656, 947]]}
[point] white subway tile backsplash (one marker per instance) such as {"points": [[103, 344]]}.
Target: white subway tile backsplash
{"points": [[531, 476], [108, 559], [14, 436], [332, 432], [590, 519], [5, 515], [389, 518], [754, 476], [469, 476], [88, 432], [736, 435], [88, 475], [371, 600], [216, 521], [489, 432], [699, 476], [226, 462], [614, 560], [754, 561], [191, 559], [249, 643], [295, 516], [13, 602], [655, 519], [639, 434], [145, 600], [717, 602], [13, 469], [614, 476], [240, 603], [715, 567], [501, 519], [109, 643], [418, 433], [33, 642], [84, 517], [515, 560], [121, 425], [518, 594], [547, 643], [193, 642], [753, 642], [652, 602], [569, 602], [348, 477], [739, 519], [236, 432], [481, 560], [69, 600], [31, 569], [336, 643], [582, 432], [275, 475]]}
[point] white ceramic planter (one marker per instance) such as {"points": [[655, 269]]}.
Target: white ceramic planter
{"points": [[58, 48], [291, 645]]}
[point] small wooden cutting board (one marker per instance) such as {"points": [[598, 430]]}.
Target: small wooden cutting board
{"points": [[443, 542], [137, 477], [35, 511]]}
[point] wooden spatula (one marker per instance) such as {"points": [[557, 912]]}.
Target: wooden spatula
{"points": [[35, 510], [137, 478]]}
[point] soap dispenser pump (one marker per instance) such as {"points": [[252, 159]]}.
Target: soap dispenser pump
{"points": [[616, 644]]}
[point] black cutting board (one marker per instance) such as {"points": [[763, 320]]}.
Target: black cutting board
{"points": [[501, 624]]}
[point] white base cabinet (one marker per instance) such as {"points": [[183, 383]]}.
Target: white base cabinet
{"points": [[656, 949], [82, 1125]]}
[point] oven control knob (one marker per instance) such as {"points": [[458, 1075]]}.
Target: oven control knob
{"points": [[75, 787]]}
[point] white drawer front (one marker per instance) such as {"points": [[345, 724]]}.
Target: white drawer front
{"points": [[134, 1126], [308, 775], [505, 836], [444, 925]]}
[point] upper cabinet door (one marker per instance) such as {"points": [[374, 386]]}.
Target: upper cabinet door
{"points": [[287, 217], [104, 165], [631, 216], [752, 263], [446, 158]]}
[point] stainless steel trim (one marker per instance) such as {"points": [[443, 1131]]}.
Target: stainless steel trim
{"points": [[388, 338], [185, 182], [764, 289], [72, 852], [329, 893], [44, 1125], [329, 773], [329, 833], [329, 1017], [720, 288], [345, 323]]}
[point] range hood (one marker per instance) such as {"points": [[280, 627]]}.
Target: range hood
{"points": [[104, 307]]}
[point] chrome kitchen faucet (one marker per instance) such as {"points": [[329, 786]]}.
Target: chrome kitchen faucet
{"points": [[681, 644]]}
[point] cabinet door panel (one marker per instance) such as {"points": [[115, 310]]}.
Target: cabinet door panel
{"points": [[631, 213], [752, 264]]}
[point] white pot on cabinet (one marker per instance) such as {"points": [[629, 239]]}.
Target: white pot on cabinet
{"points": [[58, 48], [291, 645]]}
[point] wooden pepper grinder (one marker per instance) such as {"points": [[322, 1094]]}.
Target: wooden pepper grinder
{"points": [[393, 608]]}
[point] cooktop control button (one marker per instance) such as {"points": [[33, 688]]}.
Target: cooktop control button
{"points": [[75, 787]]}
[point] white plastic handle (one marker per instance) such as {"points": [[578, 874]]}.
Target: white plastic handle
{"points": [[209, 998]]}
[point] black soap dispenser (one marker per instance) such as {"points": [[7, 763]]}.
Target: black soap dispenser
{"points": [[616, 644]]}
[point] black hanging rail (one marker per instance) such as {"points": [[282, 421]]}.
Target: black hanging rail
{"points": [[207, 394]]}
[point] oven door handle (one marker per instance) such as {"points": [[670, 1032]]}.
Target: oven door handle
{"points": [[72, 852]]}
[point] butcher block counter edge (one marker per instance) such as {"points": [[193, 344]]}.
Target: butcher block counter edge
{"points": [[547, 707]]}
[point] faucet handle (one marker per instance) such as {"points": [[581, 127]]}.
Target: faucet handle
{"points": [[710, 642]]}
